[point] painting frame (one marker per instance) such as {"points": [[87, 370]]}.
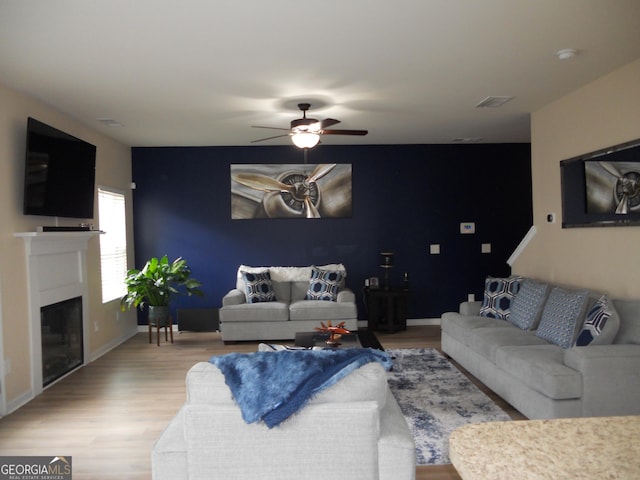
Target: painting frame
{"points": [[304, 191]]}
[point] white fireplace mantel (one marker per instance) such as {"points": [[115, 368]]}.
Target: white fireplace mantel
{"points": [[56, 271]]}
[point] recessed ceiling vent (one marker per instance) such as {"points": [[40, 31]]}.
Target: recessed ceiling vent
{"points": [[493, 102], [110, 122]]}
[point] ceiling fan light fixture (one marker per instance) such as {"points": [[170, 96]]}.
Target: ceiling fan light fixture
{"points": [[305, 139]]}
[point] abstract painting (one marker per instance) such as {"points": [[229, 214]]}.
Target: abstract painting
{"points": [[291, 191]]}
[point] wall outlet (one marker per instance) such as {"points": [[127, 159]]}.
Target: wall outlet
{"points": [[96, 327], [434, 249], [471, 297]]}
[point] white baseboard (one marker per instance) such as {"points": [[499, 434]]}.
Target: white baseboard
{"points": [[29, 395], [113, 344], [19, 401], [422, 321]]}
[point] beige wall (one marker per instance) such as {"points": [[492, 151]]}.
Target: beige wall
{"points": [[601, 114], [113, 169]]}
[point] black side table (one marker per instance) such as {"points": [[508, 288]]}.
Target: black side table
{"points": [[387, 308]]}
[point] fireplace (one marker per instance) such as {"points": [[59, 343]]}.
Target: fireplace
{"points": [[58, 304], [61, 337]]}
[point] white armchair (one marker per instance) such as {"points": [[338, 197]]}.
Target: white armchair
{"points": [[353, 430]]}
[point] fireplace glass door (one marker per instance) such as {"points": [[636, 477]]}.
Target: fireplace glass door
{"points": [[62, 349]]}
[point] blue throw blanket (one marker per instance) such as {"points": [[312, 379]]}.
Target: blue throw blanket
{"points": [[272, 386]]}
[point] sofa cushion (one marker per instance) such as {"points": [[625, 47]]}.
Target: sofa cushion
{"points": [[255, 312], [324, 285], [498, 294], [541, 368], [486, 341], [600, 325], [460, 326], [629, 313], [562, 316], [258, 287], [321, 310], [528, 303]]}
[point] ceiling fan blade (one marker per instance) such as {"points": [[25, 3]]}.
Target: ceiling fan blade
{"points": [[263, 183], [269, 138], [345, 132], [270, 128], [327, 122]]}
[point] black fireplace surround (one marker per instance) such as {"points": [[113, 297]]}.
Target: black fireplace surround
{"points": [[62, 346]]}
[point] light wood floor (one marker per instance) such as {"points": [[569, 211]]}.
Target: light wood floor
{"points": [[108, 414]]}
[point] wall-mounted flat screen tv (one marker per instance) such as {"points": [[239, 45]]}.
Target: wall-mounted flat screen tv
{"points": [[602, 188], [59, 178]]}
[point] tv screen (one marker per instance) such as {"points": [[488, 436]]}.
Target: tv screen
{"points": [[602, 188], [59, 173]]}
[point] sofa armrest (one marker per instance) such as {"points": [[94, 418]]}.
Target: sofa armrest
{"points": [[346, 295], [234, 297], [470, 308], [610, 378]]}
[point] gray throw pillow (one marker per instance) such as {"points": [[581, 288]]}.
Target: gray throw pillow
{"points": [[526, 307], [562, 316]]}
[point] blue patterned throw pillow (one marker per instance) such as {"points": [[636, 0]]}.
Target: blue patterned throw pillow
{"points": [[258, 287], [560, 317], [601, 324], [324, 285], [526, 307], [498, 294]]}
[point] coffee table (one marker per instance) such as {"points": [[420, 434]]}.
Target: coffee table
{"points": [[357, 339]]}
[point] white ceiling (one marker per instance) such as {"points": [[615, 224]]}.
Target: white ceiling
{"points": [[201, 72]]}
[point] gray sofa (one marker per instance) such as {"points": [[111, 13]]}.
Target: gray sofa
{"points": [[353, 430], [580, 366], [280, 315]]}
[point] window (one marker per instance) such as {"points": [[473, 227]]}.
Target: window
{"points": [[113, 243]]}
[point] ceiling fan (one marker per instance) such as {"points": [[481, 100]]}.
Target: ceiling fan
{"points": [[305, 132]]}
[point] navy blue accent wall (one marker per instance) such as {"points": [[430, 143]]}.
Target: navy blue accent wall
{"points": [[405, 197]]}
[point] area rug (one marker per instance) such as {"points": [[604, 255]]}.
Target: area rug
{"points": [[436, 398]]}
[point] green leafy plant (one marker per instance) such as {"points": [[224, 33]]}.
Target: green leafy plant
{"points": [[158, 282]]}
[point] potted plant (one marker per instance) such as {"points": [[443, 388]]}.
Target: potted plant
{"points": [[156, 284]]}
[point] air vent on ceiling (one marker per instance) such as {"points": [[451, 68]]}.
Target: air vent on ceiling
{"points": [[493, 102], [110, 122]]}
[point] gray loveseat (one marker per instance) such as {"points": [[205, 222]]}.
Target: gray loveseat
{"points": [[281, 305], [353, 430], [548, 350]]}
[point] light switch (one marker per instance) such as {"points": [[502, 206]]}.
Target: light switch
{"points": [[434, 249]]}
